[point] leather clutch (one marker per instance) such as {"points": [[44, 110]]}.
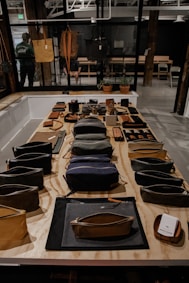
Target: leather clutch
{"points": [[152, 177], [23, 175], [172, 240], [102, 225], [32, 159], [13, 226], [150, 163], [165, 194], [20, 196], [35, 146]]}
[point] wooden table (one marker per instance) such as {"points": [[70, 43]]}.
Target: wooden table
{"points": [[38, 222]]}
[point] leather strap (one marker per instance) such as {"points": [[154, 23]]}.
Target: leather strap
{"points": [[67, 41]]}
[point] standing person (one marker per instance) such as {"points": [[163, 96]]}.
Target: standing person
{"points": [[75, 69], [25, 55]]}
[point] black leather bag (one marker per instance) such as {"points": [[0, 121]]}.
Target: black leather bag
{"points": [[19, 196], [33, 159], [150, 163], [152, 177], [165, 194], [23, 175], [35, 146]]}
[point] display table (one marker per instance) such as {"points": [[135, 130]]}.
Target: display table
{"points": [[39, 222]]}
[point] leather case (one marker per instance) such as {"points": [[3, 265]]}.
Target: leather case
{"points": [[20, 196], [152, 177], [13, 227], [150, 163], [102, 225], [23, 175], [33, 159], [165, 194], [35, 146]]}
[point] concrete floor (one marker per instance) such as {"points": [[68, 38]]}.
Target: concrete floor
{"points": [[156, 104]]}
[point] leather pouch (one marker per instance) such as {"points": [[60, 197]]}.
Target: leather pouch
{"points": [[13, 226], [149, 163], [144, 143], [152, 177], [33, 159], [23, 175], [20, 196], [35, 146], [102, 225], [89, 125], [145, 152], [165, 194], [83, 147], [90, 158], [91, 176]]}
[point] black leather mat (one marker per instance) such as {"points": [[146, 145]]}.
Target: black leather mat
{"points": [[61, 235]]}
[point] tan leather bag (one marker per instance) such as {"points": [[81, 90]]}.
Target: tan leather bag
{"points": [[43, 49], [145, 152], [144, 143], [13, 227], [100, 225]]}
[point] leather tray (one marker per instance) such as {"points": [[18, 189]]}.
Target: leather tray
{"points": [[175, 239]]}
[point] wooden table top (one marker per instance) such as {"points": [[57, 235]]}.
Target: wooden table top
{"points": [[38, 222]]}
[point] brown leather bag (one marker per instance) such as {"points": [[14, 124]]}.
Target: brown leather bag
{"points": [[100, 225], [20, 196], [13, 227]]}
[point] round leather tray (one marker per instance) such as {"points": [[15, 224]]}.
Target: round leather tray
{"points": [[175, 239]]}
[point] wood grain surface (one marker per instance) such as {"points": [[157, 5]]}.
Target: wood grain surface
{"points": [[38, 222]]}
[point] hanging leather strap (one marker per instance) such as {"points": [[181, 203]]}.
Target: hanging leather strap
{"points": [[67, 43]]}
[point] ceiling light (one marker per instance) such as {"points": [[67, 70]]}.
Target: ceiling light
{"points": [[179, 19]]}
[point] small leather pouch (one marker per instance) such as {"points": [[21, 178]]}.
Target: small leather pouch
{"points": [[20, 196], [33, 159], [150, 163], [23, 175], [144, 143], [147, 152], [102, 225], [152, 177], [13, 227], [35, 146], [165, 194]]}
